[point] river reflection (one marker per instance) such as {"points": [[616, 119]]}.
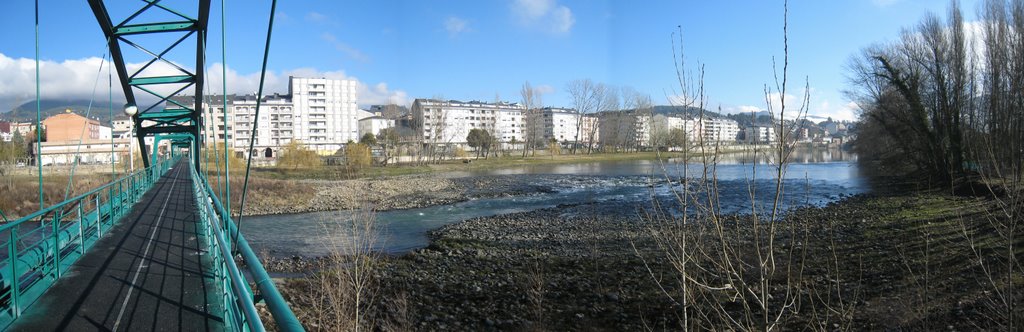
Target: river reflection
{"points": [[674, 167]]}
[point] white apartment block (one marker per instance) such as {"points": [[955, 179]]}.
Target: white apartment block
{"points": [[274, 128], [719, 130], [320, 113], [563, 125], [662, 125], [760, 134], [449, 122], [373, 125], [325, 112]]}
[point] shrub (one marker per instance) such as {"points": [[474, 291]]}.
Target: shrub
{"points": [[295, 155], [357, 155]]}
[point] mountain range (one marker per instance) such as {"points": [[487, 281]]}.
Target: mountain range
{"points": [[27, 112]]}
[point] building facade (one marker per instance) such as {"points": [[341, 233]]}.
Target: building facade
{"points": [[373, 125], [325, 114], [321, 113], [719, 129], [92, 152], [69, 126], [624, 129], [759, 134], [449, 122]]}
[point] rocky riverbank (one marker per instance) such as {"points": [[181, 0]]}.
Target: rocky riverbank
{"points": [[382, 194], [599, 267]]}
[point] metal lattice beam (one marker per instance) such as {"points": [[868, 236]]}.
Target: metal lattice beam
{"points": [[155, 119]]}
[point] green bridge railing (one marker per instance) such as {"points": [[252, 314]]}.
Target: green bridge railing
{"points": [[40, 247], [223, 239]]}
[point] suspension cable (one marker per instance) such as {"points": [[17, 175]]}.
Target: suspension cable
{"points": [[224, 111], [39, 122], [255, 120], [110, 115], [81, 135]]}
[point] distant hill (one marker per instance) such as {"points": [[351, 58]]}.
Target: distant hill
{"points": [[27, 111], [683, 111]]}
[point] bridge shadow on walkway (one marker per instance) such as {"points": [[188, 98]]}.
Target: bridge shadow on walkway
{"points": [[151, 272]]}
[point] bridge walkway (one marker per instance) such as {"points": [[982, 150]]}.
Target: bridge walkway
{"points": [[152, 272]]}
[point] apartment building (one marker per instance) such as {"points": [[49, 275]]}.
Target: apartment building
{"points": [[449, 122], [325, 115], [373, 125], [759, 134], [561, 124], [321, 113], [624, 129], [69, 126], [719, 129]]}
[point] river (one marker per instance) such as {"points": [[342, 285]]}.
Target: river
{"points": [[813, 178]]}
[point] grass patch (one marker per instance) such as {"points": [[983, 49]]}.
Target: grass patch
{"points": [[341, 172], [21, 192]]}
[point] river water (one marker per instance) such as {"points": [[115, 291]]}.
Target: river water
{"points": [[814, 178]]}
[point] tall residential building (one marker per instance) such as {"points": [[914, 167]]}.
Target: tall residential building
{"points": [[449, 122], [325, 112], [320, 113]]}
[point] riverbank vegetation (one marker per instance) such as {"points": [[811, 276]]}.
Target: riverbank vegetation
{"points": [[944, 102]]}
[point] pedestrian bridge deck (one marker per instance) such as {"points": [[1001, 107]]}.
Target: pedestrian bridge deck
{"points": [[151, 272]]}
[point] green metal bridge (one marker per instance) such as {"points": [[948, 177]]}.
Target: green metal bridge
{"points": [[156, 249]]}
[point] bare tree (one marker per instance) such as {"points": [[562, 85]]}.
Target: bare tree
{"points": [[585, 97], [531, 100]]}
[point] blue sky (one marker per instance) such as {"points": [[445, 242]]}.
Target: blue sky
{"points": [[401, 50]]}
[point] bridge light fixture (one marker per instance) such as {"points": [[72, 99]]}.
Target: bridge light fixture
{"points": [[130, 109]]}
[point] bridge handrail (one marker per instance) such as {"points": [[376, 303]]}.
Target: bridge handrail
{"points": [[37, 257], [224, 230], [78, 198]]}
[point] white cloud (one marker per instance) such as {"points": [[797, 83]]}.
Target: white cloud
{"points": [[824, 110], [455, 26], [316, 17], [74, 79], [344, 48], [544, 89], [562, 20], [320, 18], [277, 82], [546, 15]]}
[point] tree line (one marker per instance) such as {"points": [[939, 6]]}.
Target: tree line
{"points": [[945, 100]]}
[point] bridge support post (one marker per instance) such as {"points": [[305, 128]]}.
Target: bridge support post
{"points": [[12, 261], [81, 229], [56, 244], [99, 221]]}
